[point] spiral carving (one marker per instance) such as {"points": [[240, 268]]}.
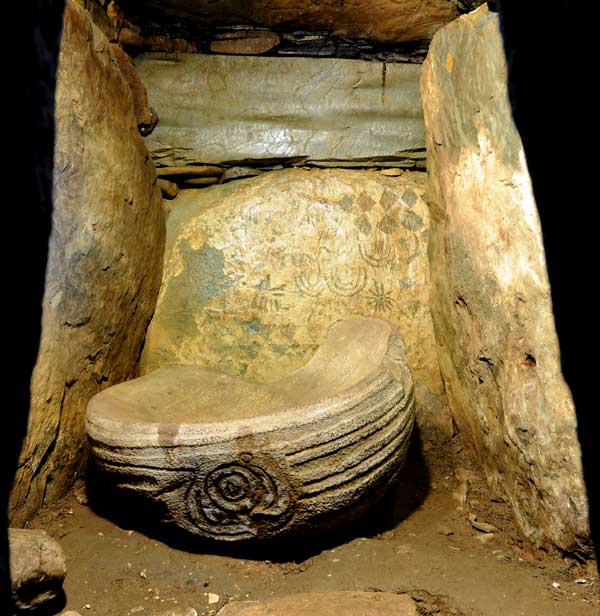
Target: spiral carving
{"points": [[238, 500]]}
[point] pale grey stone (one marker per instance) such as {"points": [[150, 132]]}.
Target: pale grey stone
{"points": [[348, 603], [217, 109], [234, 460]]}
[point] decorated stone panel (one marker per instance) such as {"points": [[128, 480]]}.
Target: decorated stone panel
{"points": [[256, 271]]}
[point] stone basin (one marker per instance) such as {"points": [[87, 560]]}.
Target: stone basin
{"points": [[233, 460]]}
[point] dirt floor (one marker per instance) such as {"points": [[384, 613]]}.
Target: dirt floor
{"points": [[421, 539]]}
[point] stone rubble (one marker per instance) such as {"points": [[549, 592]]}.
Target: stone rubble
{"points": [[37, 567]]}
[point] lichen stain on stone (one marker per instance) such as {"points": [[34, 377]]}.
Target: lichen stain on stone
{"points": [[203, 272], [254, 326], [449, 61]]}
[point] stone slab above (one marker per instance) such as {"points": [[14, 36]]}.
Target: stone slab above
{"points": [[225, 109], [385, 20]]}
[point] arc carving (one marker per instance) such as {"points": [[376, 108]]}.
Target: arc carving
{"points": [[378, 251]]}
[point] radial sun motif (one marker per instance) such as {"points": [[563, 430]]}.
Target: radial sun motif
{"points": [[379, 299]]}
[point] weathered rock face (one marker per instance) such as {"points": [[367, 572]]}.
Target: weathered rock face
{"points": [[384, 20], [349, 603], [37, 569], [225, 108], [245, 42], [257, 270], [490, 294], [104, 264], [228, 459]]}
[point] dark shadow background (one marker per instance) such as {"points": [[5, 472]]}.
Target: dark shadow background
{"points": [[27, 214], [539, 37], [547, 97]]}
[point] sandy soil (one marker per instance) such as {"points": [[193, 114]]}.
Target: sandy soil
{"points": [[420, 539]]}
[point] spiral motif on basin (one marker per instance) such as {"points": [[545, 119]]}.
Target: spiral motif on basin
{"points": [[239, 500]]}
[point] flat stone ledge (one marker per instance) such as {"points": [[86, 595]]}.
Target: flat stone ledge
{"points": [[346, 603]]}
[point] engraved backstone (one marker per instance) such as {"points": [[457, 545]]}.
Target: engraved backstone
{"points": [[257, 271]]}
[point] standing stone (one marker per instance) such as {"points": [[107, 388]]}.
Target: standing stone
{"points": [[216, 109], [104, 263], [37, 569], [256, 271], [491, 302]]}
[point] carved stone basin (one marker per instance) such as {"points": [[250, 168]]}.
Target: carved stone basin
{"points": [[234, 460]]}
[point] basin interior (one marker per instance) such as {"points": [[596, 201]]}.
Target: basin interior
{"points": [[180, 394]]}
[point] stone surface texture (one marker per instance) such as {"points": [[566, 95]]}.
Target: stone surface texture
{"points": [[105, 261], [245, 42], [257, 270], [385, 20], [37, 569], [348, 603], [234, 108], [491, 303], [234, 460], [143, 113]]}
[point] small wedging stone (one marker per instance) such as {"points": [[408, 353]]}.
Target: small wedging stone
{"points": [[164, 43], [168, 189], [131, 39], [192, 171], [346, 603], [267, 108], [239, 173], [394, 173], [245, 42], [37, 567], [199, 182]]}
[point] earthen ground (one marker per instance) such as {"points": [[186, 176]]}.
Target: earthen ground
{"points": [[418, 540]]}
